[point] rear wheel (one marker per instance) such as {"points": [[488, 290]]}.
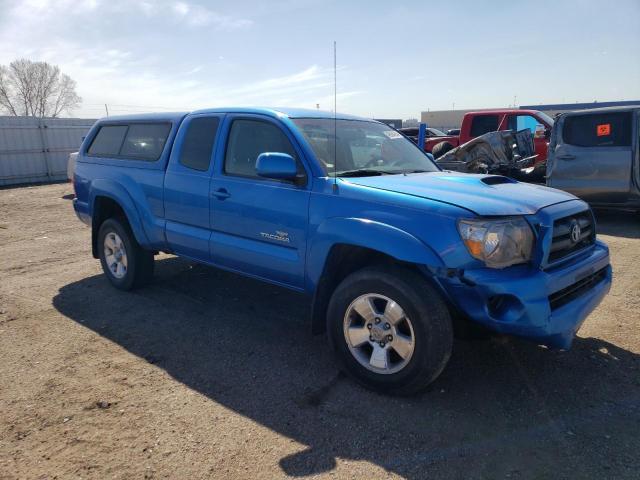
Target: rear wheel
{"points": [[125, 263], [440, 149], [390, 329]]}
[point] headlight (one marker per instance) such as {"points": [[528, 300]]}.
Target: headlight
{"points": [[498, 243]]}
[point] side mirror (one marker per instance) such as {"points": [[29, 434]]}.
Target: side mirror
{"points": [[279, 166]]}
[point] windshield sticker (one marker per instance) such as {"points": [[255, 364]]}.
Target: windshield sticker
{"points": [[392, 134]]}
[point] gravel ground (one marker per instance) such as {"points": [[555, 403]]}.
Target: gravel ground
{"points": [[206, 374]]}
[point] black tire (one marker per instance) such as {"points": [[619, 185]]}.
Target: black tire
{"points": [[429, 318], [440, 149], [140, 262]]}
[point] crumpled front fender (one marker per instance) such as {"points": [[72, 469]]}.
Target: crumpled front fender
{"points": [[365, 233], [358, 232]]}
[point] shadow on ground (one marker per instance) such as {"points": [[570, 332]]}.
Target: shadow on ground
{"points": [[618, 224], [501, 408]]}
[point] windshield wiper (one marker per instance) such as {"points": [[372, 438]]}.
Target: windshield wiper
{"points": [[362, 172]]}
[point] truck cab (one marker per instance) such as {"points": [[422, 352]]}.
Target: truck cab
{"points": [[595, 155], [393, 253]]}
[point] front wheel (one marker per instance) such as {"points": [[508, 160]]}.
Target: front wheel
{"points": [[125, 263], [390, 329]]}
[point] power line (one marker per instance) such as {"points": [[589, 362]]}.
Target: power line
{"points": [[101, 105]]}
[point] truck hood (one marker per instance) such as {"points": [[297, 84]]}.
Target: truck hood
{"points": [[485, 195]]}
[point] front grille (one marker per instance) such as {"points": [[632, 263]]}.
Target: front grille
{"points": [[565, 241], [570, 293]]}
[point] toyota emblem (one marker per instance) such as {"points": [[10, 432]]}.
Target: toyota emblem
{"points": [[575, 232]]}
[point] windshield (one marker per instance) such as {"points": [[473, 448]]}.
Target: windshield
{"points": [[437, 133], [362, 148]]}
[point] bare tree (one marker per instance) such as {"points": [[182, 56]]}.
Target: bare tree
{"points": [[36, 89]]}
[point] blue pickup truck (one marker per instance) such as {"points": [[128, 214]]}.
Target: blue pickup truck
{"points": [[394, 253]]}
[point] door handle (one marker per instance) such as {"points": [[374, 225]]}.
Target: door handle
{"points": [[221, 194], [566, 157]]}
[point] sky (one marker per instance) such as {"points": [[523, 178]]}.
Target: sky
{"points": [[394, 58]]}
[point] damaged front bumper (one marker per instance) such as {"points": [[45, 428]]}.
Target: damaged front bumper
{"points": [[545, 306]]}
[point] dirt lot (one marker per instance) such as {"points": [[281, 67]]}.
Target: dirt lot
{"points": [[209, 375]]}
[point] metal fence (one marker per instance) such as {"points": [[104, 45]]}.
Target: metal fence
{"points": [[37, 149]]}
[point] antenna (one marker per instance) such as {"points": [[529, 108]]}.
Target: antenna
{"points": [[335, 121]]}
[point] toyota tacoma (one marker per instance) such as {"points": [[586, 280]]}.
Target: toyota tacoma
{"points": [[392, 251]]}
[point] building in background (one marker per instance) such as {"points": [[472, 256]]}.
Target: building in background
{"points": [[410, 122], [446, 119]]}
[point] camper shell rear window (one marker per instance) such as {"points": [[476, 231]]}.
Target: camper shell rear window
{"points": [[132, 141]]}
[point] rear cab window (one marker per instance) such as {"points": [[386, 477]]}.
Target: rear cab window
{"points": [[598, 130], [481, 124], [134, 141], [197, 146]]}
